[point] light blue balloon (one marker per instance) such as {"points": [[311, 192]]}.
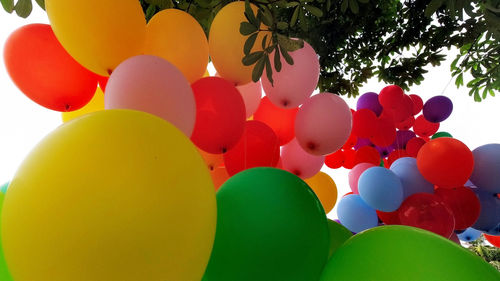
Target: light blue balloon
{"points": [[355, 214], [489, 217], [381, 189], [469, 235], [412, 180], [4, 187], [487, 167]]}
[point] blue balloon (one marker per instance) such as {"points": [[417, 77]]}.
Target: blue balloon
{"points": [[489, 217], [487, 167], [469, 235], [412, 180], [4, 187], [381, 189], [355, 214]]}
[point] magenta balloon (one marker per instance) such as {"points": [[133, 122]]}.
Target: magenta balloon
{"points": [[370, 101], [251, 94], [153, 85], [299, 162], [355, 173], [323, 124], [294, 83]]}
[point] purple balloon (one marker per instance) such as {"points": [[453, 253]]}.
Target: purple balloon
{"points": [[385, 151], [362, 142], [369, 101], [437, 109], [402, 138]]}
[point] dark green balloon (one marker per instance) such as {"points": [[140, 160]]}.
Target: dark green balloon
{"points": [[441, 135], [270, 227], [4, 271], [397, 253], [338, 235]]}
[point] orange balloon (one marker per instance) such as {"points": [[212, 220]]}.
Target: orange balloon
{"points": [[178, 38], [219, 176], [325, 188], [212, 160], [226, 43], [43, 70]]}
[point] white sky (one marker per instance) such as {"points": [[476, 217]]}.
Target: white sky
{"points": [[24, 123]]}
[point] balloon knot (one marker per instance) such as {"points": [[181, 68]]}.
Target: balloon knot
{"points": [[67, 107], [297, 173], [285, 103], [311, 146], [110, 71], [224, 150], [211, 167]]}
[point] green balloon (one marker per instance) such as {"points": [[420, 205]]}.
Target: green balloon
{"points": [[270, 227], [4, 271], [338, 235], [441, 135], [395, 253]]}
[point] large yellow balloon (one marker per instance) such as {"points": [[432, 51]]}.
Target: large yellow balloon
{"points": [[95, 104], [114, 195], [226, 43], [98, 34], [177, 37], [325, 188]]}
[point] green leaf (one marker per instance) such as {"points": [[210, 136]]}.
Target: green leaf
{"points": [[295, 16], [282, 25], [41, 3], [290, 44], [249, 43], [264, 42], [250, 15], [344, 6], [286, 56], [363, 1], [267, 16], [269, 71], [23, 8], [150, 11], [433, 6], [328, 5], [277, 59], [460, 80], [8, 5], [353, 5], [252, 58], [258, 69], [247, 28], [314, 10], [292, 4]]}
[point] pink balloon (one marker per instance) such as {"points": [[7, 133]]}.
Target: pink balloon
{"points": [[298, 162], [294, 83], [251, 94], [153, 85], [323, 124], [355, 173]]}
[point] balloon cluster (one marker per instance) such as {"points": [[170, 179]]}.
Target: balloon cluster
{"points": [[126, 188], [403, 172]]}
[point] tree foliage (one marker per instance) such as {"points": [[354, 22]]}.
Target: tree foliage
{"points": [[356, 40], [488, 253]]}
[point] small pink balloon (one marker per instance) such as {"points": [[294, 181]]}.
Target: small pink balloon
{"points": [[251, 94], [153, 85], [323, 124], [355, 173], [299, 162], [294, 83]]}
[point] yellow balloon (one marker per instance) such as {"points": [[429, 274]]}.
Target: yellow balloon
{"points": [[226, 43], [325, 188], [114, 195], [98, 34], [206, 74], [177, 37], [95, 104]]}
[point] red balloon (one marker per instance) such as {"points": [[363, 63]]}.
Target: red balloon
{"points": [[402, 111], [407, 124], [395, 155], [385, 132], [390, 97], [424, 128], [281, 120], [103, 82], [429, 212], [494, 240], [464, 204], [220, 115], [351, 142], [388, 217], [259, 147], [43, 70], [350, 155], [367, 154], [364, 123], [445, 162], [418, 104], [335, 160], [413, 146]]}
